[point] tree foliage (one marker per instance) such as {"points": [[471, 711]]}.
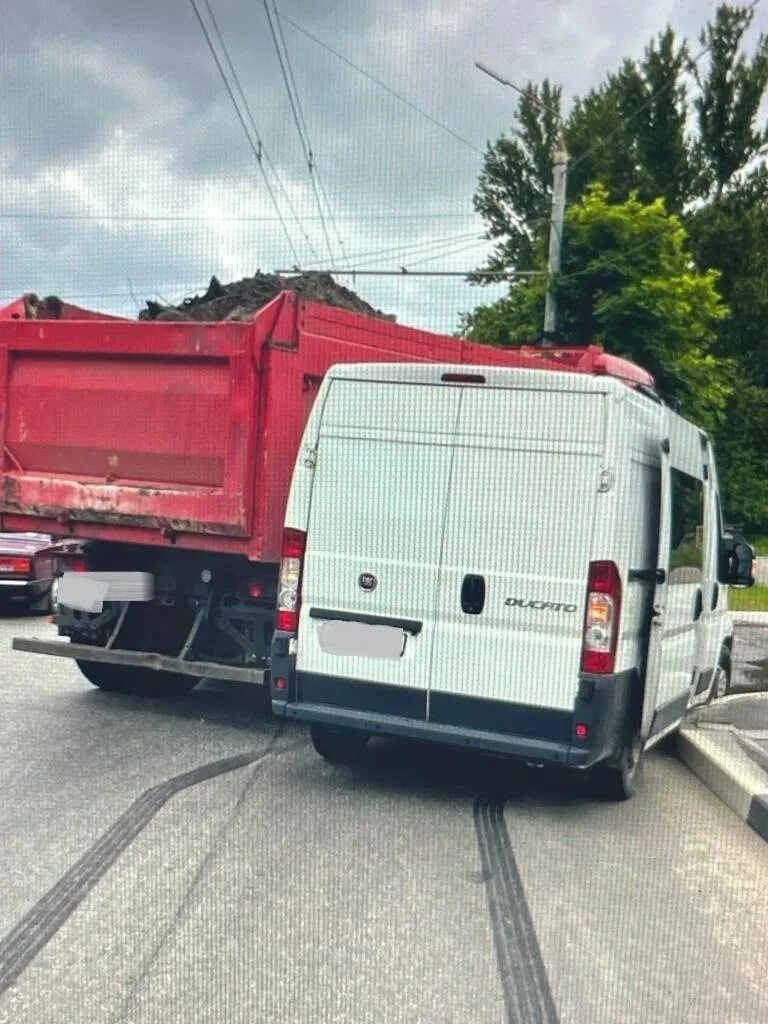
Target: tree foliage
{"points": [[628, 284], [731, 236], [730, 96], [665, 255]]}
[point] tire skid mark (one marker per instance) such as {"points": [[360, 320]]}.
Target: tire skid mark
{"points": [[525, 985], [38, 926]]}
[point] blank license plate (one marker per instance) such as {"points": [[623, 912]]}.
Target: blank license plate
{"points": [[361, 639]]}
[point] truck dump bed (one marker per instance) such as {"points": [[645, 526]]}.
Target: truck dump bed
{"points": [[185, 433]]}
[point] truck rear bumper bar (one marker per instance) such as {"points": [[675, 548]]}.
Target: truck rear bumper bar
{"points": [[139, 659]]}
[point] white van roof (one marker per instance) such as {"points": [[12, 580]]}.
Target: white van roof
{"points": [[490, 376], [686, 438]]}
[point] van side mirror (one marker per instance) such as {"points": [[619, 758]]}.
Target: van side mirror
{"points": [[736, 561]]}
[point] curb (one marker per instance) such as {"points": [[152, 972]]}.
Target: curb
{"points": [[717, 758], [749, 618]]}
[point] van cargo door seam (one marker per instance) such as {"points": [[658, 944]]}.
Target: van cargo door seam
{"points": [[441, 550]]}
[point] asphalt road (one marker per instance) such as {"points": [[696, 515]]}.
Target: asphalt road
{"points": [[424, 886]]}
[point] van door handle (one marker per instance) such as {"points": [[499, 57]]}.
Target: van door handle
{"points": [[698, 605], [715, 596], [473, 594]]}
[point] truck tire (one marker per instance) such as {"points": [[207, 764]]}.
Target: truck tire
{"points": [[106, 677], [339, 746], [621, 780], [138, 682]]}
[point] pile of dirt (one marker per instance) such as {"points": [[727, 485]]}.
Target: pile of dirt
{"points": [[49, 308], [241, 299]]}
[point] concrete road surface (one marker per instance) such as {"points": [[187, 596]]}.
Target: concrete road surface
{"points": [[192, 861]]}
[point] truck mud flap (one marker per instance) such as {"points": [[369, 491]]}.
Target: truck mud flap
{"points": [[142, 659]]}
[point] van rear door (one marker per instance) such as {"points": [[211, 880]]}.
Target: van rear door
{"points": [[519, 531], [374, 537]]}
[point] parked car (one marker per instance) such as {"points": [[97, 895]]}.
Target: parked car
{"points": [[29, 565]]}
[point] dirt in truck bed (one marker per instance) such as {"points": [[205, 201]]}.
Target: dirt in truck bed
{"points": [[241, 299]]}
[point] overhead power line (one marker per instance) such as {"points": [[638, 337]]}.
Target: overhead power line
{"points": [[394, 250], [257, 150], [403, 272], [295, 105], [529, 95], [384, 86], [224, 219], [452, 252], [279, 21], [247, 107], [328, 206]]}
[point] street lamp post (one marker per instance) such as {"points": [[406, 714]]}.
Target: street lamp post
{"points": [[557, 216], [555, 237]]}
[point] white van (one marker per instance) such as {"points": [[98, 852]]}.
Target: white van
{"points": [[526, 562]]}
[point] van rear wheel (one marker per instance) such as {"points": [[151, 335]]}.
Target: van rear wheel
{"points": [[721, 683], [622, 779], [339, 746]]}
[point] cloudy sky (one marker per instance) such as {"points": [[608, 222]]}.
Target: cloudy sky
{"points": [[126, 174]]}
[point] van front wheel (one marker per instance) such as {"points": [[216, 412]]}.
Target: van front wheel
{"points": [[622, 779], [339, 746]]}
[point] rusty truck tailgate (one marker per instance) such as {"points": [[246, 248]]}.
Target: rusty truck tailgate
{"points": [[144, 425]]}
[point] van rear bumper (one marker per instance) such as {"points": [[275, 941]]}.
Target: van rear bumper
{"points": [[456, 736], [602, 704]]}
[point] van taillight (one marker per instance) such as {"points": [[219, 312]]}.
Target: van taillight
{"points": [[76, 565], [289, 581], [601, 619]]}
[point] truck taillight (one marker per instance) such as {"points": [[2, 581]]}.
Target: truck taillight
{"points": [[601, 619], [76, 565], [289, 581], [22, 566]]}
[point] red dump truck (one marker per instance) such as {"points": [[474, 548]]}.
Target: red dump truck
{"points": [[167, 448]]}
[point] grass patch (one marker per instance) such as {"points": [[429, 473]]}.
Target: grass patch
{"points": [[753, 599], [759, 543]]}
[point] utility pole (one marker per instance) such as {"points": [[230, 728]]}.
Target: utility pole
{"points": [[555, 237], [557, 216]]}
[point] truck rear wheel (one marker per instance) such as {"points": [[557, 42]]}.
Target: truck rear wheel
{"points": [[339, 746], [106, 677], [138, 682]]}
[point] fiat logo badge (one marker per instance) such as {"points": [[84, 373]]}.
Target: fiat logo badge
{"points": [[367, 581]]}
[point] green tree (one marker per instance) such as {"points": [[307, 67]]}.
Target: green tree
{"points": [[627, 283], [741, 442], [513, 196], [731, 236], [729, 100], [640, 287], [628, 133]]}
